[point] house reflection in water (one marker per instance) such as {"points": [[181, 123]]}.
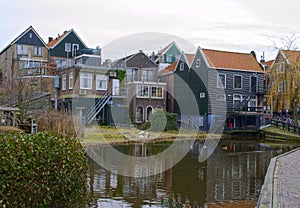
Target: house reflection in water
{"points": [[235, 171]]}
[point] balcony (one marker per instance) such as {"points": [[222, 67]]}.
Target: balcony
{"points": [[41, 71], [120, 92]]}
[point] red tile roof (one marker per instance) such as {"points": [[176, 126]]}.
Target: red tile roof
{"points": [[231, 60], [292, 56], [168, 69], [54, 41], [190, 58], [268, 64]]}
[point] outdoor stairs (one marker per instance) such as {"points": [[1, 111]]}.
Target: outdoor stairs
{"points": [[244, 103], [97, 107]]}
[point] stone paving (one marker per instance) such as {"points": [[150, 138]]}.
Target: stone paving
{"points": [[287, 173], [281, 188]]}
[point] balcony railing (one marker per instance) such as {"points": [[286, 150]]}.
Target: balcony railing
{"points": [[119, 92], [37, 71]]}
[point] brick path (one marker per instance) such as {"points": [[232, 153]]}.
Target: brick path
{"points": [[281, 188], [287, 173]]}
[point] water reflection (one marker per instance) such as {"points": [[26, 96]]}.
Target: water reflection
{"points": [[235, 171]]}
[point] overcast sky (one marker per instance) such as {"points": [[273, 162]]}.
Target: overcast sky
{"points": [[233, 25]]}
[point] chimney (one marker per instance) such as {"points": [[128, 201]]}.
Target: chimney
{"points": [[50, 39], [140, 51]]}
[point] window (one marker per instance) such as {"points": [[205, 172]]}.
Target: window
{"points": [[147, 76], [38, 51], [221, 81], [237, 99], [221, 97], [157, 92], [181, 66], [202, 94], [149, 112], [198, 63], [64, 82], [139, 114], [285, 85], [86, 80], [101, 82], [279, 86], [169, 58], [22, 49], [75, 48], [237, 82], [280, 67], [71, 80], [142, 91], [252, 104]]}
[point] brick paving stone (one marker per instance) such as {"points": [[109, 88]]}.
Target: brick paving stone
{"points": [[288, 175]]}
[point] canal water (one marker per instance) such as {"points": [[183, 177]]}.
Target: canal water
{"points": [[234, 172]]}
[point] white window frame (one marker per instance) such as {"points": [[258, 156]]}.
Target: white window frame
{"points": [[169, 58], [101, 78], [218, 81], [140, 89], [38, 51], [181, 66], [198, 63], [147, 115], [202, 95], [73, 49], [22, 49], [237, 97], [250, 102], [157, 92], [86, 76], [71, 80], [235, 83], [64, 82], [142, 119]]}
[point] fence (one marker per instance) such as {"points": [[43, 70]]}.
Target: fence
{"points": [[286, 126]]}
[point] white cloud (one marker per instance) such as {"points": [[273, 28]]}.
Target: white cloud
{"points": [[230, 23]]}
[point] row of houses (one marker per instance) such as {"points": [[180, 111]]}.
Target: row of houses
{"points": [[76, 79]]}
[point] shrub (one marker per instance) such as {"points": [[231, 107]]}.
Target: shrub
{"points": [[55, 121], [42, 170], [158, 120], [171, 121]]}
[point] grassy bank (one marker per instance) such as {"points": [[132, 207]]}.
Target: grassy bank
{"points": [[111, 135], [276, 136]]}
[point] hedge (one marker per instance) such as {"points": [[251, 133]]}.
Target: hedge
{"points": [[42, 170]]}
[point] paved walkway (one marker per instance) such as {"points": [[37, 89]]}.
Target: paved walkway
{"points": [[282, 182]]}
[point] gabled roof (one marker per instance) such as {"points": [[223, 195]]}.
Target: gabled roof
{"points": [[21, 35], [165, 49], [292, 56], [169, 69], [127, 58], [57, 40], [268, 64], [231, 60]]}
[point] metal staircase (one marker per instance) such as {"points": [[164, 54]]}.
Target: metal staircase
{"points": [[245, 101], [97, 107]]}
